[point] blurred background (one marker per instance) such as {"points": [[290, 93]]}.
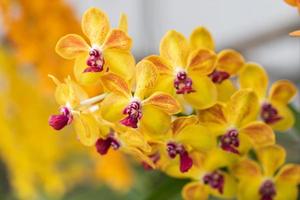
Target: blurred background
{"points": [[38, 163]]}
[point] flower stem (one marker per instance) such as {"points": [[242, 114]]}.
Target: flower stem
{"points": [[93, 100]]}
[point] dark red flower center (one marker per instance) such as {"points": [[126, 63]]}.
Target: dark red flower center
{"points": [[269, 114], [230, 141], [186, 161], [95, 61], [219, 76], [60, 121], [267, 190], [183, 84], [215, 180], [134, 112], [154, 157], [103, 145]]}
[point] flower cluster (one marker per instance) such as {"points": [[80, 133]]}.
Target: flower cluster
{"points": [[190, 111], [37, 165]]}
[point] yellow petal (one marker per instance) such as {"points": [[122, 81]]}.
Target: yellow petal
{"points": [[86, 128], [175, 48], [218, 158], [243, 107], [286, 191], [123, 23], [230, 61], [182, 122], [68, 92], [289, 174], [197, 137], [225, 90], [201, 38], [245, 144], [154, 121], [295, 33], [288, 118], [249, 189], [194, 191], [164, 102], [118, 39], [259, 134], [85, 78], [139, 155], [255, 77], [205, 94], [214, 118], [116, 84], [146, 77], [120, 62], [201, 62], [246, 169], [95, 25], [163, 66], [271, 158], [133, 138], [70, 46], [112, 107], [164, 83], [282, 91]]}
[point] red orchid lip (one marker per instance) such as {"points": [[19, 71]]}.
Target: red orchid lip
{"points": [[134, 112], [267, 190], [58, 122], [230, 141], [186, 161], [215, 180], [183, 84], [103, 145], [219, 76], [269, 114], [95, 61]]}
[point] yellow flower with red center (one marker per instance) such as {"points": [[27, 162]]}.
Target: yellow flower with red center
{"points": [[174, 147], [183, 73], [228, 63], [268, 178], [209, 178], [130, 142], [76, 108], [274, 106], [151, 114], [140, 113], [235, 123], [109, 49]]}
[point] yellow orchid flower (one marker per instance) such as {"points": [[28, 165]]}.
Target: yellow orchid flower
{"points": [[273, 107], [170, 152], [208, 178], [235, 123], [76, 108], [151, 114], [108, 49], [183, 73], [267, 179], [130, 142], [228, 63]]}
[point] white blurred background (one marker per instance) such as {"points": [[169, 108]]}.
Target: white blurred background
{"points": [[258, 28]]}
